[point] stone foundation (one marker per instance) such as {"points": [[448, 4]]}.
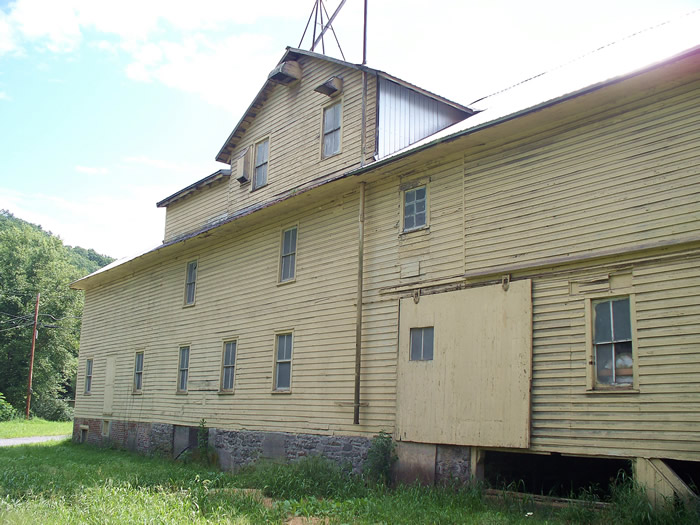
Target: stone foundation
{"points": [[237, 448]]}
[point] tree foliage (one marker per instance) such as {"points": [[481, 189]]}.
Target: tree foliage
{"points": [[34, 261]]}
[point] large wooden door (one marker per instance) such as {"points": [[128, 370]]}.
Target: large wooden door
{"points": [[476, 388]]}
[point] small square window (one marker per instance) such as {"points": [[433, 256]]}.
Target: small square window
{"points": [[228, 366], [331, 130], [415, 208], [138, 372], [612, 342], [288, 254], [88, 376], [262, 152], [283, 362], [422, 342], [183, 368], [190, 283]]}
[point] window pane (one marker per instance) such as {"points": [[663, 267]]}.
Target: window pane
{"points": [[139, 362], [184, 357], [183, 380], [228, 378], [284, 347], [230, 355], [623, 363], [420, 205], [331, 143], [261, 153], [604, 364], [420, 193], [416, 344], [621, 320], [408, 222], [88, 367], [419, 220], [603, 330], [428, 343], [192, 272], [283, 371], [261, 175], [287, 268], [137, 382], [410, 197]]}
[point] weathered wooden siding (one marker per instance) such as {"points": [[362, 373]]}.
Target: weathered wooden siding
{"points": [[292, 118], [612, 182], [238, 297], [196, 210]]}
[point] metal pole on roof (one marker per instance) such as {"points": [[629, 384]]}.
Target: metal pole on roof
{"points": [[364, 38]]}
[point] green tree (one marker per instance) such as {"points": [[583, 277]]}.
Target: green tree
{"points": [[31, 261]]}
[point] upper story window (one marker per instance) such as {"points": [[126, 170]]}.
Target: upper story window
{"points": [[288, 255], [228, 366], [612, 342], [138, 372], [262, 152], [415, 208], [190, 282], [88, 376], [331, 130], [422, 344], [183, 368], [283, 362]]}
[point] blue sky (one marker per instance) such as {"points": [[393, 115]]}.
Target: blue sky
{"points": [[108, 107]]}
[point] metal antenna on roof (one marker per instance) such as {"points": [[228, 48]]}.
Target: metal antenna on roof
{"points": [[317, 12]]}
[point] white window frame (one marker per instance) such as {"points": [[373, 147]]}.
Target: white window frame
{"points": [[259, 163], [138, 373], [275, 387], [592, 383], [191, 282], [89, 365], [338, 130], [183, 371], [422, 356], [404, 194], [292, 254], [222, 386]]}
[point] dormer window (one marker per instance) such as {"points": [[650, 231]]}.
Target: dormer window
{"points": [[331, 130], [262, 151]]}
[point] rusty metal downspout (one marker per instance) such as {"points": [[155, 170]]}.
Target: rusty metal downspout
{"points": [[358, 319]]}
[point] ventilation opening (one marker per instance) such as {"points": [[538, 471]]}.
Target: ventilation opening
{"points": [[688, 471], [552, 475], [83, 435]]}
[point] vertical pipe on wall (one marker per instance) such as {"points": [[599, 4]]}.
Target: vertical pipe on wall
{"points": [[363, 139], [358, 318]]}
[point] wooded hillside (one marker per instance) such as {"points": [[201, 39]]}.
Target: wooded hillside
{"points": [[33, 261]]}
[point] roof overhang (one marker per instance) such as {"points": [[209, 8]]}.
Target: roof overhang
{"points": [[184, 192]]}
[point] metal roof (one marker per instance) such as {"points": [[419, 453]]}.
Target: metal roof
{"points": [[209, 179]]}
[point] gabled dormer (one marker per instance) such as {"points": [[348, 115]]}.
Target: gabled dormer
{"points": [[315, 118]]}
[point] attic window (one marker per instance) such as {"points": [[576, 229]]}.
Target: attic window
{"points": [[285, 73], [331, 87]]}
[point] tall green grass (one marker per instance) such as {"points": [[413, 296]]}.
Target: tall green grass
{"points": [[21, 427], [61, 482]]}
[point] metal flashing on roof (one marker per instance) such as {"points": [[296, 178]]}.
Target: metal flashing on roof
{"points": [[209, 179]]}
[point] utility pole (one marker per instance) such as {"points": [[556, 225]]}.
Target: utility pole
{"points": [[31, 356]]}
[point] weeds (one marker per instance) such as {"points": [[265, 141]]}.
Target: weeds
{"points": [[380, 459]]}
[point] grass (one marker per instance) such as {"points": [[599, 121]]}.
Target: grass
{"points": [[34, 427], [61, 482]]}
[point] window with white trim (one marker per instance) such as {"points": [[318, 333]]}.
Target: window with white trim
{"points": [[288, 254], [183, 368], [88, 376], [332, 117], [228, 366], [612, 342], [283, 362], [190, 283], [138, 372], [262, 153], [415, 212], [422, 344]]}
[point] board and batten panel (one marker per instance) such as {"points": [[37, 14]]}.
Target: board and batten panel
{"points": [[662, 418], [205, 206], [476, 388], [614, 183], [406, 116]]}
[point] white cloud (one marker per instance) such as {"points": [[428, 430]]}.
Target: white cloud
{"points": [[161, 164], [90, 170], [4, 96]]}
